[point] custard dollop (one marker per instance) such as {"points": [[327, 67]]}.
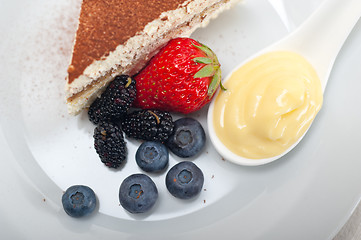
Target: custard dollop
{"points": [[269, 104]]}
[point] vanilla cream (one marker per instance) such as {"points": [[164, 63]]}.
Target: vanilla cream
{"points": [[269, 104]]}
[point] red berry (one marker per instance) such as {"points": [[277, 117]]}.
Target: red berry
{"points": [[182, 77]]}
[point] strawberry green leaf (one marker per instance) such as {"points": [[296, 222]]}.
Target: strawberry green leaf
{"points": [[206, 71], [203, 60], [216, 81], [205, 49]]}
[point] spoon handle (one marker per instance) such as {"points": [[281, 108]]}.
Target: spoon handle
{"points": [[322, 35]]}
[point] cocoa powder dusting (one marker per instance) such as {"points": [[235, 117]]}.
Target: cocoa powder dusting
{"points": [[103, 25]]}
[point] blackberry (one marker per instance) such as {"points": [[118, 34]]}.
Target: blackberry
{"points": [[149, 125], [109, 144], [95, 112], [115, 102]]}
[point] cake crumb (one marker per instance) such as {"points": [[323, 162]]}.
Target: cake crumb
{"points": [[71, 69]]}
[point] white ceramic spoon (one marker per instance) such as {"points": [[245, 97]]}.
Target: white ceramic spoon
{"points": [[318, 39]]}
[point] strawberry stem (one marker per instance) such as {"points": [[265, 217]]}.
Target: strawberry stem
{"points": [[222, 87]]}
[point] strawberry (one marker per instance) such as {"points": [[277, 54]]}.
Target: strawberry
{"points": [[182, 77]]}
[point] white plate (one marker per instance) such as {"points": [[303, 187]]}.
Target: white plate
{"points": [[309, 194]]}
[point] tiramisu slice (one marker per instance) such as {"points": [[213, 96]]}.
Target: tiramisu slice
{"points": [[119, 36]]}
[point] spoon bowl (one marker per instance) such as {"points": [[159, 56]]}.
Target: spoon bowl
{"points": [[319, 40]]}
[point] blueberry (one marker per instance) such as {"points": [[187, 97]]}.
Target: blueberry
{"points": [[188, 138], [79, 201], [138, 193], [184, 180], [152, 156]]}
